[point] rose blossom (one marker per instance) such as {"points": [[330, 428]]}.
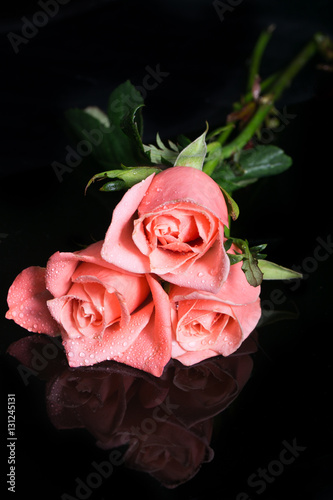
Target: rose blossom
{"points": [[206, 324], [101, 312], [172, 224]]}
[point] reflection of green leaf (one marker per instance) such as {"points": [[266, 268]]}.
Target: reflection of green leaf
{"points": [[269, 317]]}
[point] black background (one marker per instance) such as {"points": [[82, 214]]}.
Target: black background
{"points": [[76, 60]]}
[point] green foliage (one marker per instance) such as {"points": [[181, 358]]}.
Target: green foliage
{"points": [[248, 166], [115, 137]]}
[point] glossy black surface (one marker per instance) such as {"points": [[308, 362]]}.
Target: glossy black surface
{"points": [[274, 440]]}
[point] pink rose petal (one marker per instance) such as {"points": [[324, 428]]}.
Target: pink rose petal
{"points": [[119, 248], [207, 274], [185, 184], [27, 299]]}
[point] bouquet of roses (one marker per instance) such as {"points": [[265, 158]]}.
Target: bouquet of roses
{"points": [[168, 280]]}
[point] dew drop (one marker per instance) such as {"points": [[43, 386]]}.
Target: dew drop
{"points": [[82, 354], [200, 274], [70, 354]]}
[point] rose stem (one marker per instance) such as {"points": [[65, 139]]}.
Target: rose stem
{"points": [[257, 54], [283, 80], [264, 85]]}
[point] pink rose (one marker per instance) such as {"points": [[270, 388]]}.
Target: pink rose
{"points": [[206, 325], [101, 312], [172, 224]]}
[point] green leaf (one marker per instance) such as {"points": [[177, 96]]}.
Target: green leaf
{"points": [[183, 141], [161, 153], [124, 102], [234, 259], [227, 244], [272, 271], [194, 154], [233, 209], [262, 161], [252, 271], [128, 177], [90, 134], [98, 114], [213, 157], [251, 164], [112, 138], [250, 266], [132, 126], [225, 177], [112, 186]]}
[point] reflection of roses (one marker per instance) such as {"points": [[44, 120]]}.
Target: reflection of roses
{"points": [[206, 324], [165, 422], [172, 224], [173, 453], [101, 312]]}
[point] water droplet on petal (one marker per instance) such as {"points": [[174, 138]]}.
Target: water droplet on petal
{"points": [[82, 354]]}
